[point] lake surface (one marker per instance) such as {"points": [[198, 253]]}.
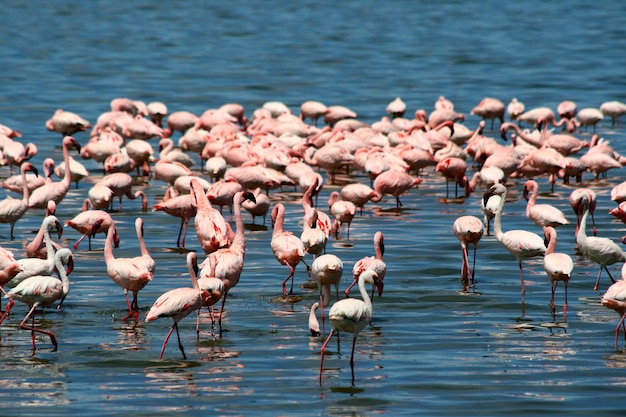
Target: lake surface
{"points": [[432, 348]]}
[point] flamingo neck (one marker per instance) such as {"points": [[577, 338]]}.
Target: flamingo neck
{"points": [[192, 265], [48, 241], [25, 190], [140, 239], [497, 221], [240, 238], [364, 294], [108, 245], [551, 243], [314, 324], [581, 236]]}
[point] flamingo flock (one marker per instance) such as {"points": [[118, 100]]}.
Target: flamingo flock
{"points": [[224, 158]]}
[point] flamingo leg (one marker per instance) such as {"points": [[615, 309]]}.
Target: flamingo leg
{"points": [[167, 338], [465, 273], [552, 306], [565, 303], [130, 308], [595, 287], [350, 287], [521, 275], [33, 329], [474, 265], [180, 345], [322, 351], [322, 310], [352, 358], [610, 276], [180, 231], [222, 310], [80, 239], [618, 327], [8, 310], [198, 324]]}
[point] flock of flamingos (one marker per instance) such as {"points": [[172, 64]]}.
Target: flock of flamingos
{"points": [[243, 159]]}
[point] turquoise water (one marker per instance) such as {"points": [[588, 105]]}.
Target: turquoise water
{"points": [[432, 349]]}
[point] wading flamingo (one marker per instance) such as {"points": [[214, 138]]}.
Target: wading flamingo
{"points": [[326, 270], [287, 247], [375, 263], [469, 230], [542, 215], [12, 209], [210, 226], [558, 266]]}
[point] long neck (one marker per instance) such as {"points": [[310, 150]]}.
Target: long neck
{"points": [[581, 236], [497, 221], [48, 241], [60, 267], [364, 294], [314, 324], [279, 220], [25, 190], [240, 239], [67, 178], [108, 245], [378, 247], [551, 243], [140, 239], [533, 198], [192, 265]]}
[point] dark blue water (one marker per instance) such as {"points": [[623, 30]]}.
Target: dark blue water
{"points": [[432, 348]]}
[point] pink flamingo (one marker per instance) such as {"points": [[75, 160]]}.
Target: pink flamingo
{"points": [[7, 273], [212, 289], [613, 109], [396, 108], [469, 230], [42, 291], [359, 194], [99, 197], [157, 111], [443, 104], [288, 249], [15, 153], [132, 274], [452, 168], [542, 215], [67, 123], [85, 221], [15, 183], [374, 263], [351, 315], [312, 110], [42, 246], [336, 113], [395, 183], [177, 304], [343, 212], [600, 250], [567, 109], [179, 121], [575, 202], [210, 226], [558, 266], [326, 270], [55, 190], [615, 299], [11, 210], [619, 211], [515, 108], [590, 117], [520, 243], [260, 206], [329, 157], [490, 108], [227, 263], [181, 206], [121, 184]]}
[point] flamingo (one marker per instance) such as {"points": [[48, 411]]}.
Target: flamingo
{"points": [[396, 108], [359, 194], [395, 183], [55, 190], [452, 168], [85, 221], [469, 230], [177, 304], [489, 207], [351, 315], [558, 266], [210, 226], [590, 117], [16, 184], [7, 274], [542, 215], [77, 170], [288, 249], [515, 108], [11, 209], [520, 243], [490, 108], [326, 270], [121, 185], [145, 256], [613, 109], [343, 212], [180, 206], [600, 250], [132, 274], [259, 207], [43, 290], [575, 201], [615, 299], [67, 123], [212, 289], [374, 263], [42, 246], [227, 263], [312, 110], [179, 121]]}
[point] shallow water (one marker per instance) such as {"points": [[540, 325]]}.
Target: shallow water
{"points": [[432, 348]]}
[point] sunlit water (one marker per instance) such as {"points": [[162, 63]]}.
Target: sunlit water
{"points": [[432, 348]]}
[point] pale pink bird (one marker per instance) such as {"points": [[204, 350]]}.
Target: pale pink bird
{"points": [[156, 112], [212, 289], [334, 114], [443, 104], [374, 263], [237, 111], [77, 170], [42, 246], [489, 204], [615, 299], [181, 206], [315, 219], [396, 108], [11, 209], [342, 211], [490, 108], [453, 169], [558, 266], [16, 152], [469, 230], [600, 250], [542, 215], [313, 237], [395, 183], [42, 291], [140, 128], [589, 116], [618, 192], [359, 194], [326, 270], [16, 185], [210, 226], [520, 243], [312, 110], [85, 221], [132, 274], [121, 184], [515, 108], [599, 163], [260, 206], [124, 104], [9, 132], [613, 109], [99, 197], [55, 191], [567, 109], [619, 211], [179, 121], [286, 247], [145, 256], [575, 202], [167, 153], [177, 304], [222, 193], [227, 263], [331, 158], [141, 153], [351, 316], [98, 150], [67, 123], [169, 171], [533, 116], [7, 274]]}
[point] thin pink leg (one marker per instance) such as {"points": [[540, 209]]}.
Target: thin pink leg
{"points": [[322, 350]]}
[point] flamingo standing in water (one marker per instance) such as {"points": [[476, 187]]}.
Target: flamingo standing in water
{"points": [[615, 299], [395, 183], [11, 209], [210, 226], [490, 108], [375, 263], [42, 291], [343, 212], [85, 221], [520, 243], [359, 194], [600, 250], [469, 230], [575, 202], [326, 270], [55, 191], [288, 249], [212, 289], [177, 304], [42, 246], [132, 274], [227, 263], [351, 315], [542, 215], [558, 266], [180, 206]]}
